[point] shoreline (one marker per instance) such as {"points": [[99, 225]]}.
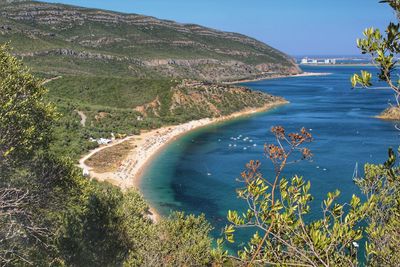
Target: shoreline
{"points": [[149, 144], [304, 74], [341, 65]]}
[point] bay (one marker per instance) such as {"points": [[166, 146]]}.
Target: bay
{"points": [[197, 173]]}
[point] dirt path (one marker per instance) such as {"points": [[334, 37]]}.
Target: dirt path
{"points": [[51, 79], [83, 117]]}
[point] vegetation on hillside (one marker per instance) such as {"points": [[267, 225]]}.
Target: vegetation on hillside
{"points": [[51, 215], [121, 71], [125, 106], [68, 40]]}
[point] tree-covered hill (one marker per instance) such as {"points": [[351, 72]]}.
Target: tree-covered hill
{"points": [[128, 72], [60, 39], [125, 106], [51, 215]]}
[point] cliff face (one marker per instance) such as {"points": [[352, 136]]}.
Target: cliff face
{"points": [[133, 44]]}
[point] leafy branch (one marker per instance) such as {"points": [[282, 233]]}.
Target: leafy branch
{"points": [[278, 209]]}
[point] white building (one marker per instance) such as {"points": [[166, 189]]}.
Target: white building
{"points": [[304, 61], [330, 61], [307, 60], [103, 141]]}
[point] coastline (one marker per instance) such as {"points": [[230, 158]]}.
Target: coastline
{"points": [[148, 145], [341, 65], [304, 74]]}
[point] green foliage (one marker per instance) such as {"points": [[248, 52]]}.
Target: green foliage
{"points": [[51, 215], [289, 238], [176, 241], [285, 235], [364, 79], [395, 4], [188, 237], [123, 93], [108, 105], [91, 235], [112, 105], [382, 184], [383, 50], [70, 138], [108, 69], [38, 194], [25, 123], [25, 119], [111, 228], [278, 211]]}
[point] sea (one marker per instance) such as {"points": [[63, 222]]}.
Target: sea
{"points": [[198, 172]]}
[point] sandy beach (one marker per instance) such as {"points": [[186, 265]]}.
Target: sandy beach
{"points": [[146, 145]]}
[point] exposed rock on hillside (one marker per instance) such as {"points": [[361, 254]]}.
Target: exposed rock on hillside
{"points": [[136, 43], [208, 100]]}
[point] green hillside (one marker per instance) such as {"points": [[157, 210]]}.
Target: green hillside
{"points": [[60, 39], [125, 72], [127, 105]]}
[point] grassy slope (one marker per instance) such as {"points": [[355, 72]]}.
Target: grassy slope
{"points": [[108, 104], [155, 39], [124, 93], [108, 89]]}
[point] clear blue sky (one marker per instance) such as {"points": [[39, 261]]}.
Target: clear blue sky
{"points": [[297, 27]]}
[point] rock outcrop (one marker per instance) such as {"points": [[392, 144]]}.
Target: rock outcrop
{"points": [[42, 30]]}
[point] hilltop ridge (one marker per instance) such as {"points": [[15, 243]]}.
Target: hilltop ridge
{"points": [[133, 44]]}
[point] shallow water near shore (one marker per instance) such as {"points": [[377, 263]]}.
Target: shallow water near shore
{"points": [[197, 173]]}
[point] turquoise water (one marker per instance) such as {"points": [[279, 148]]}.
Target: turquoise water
{"points": [[197, 173]]}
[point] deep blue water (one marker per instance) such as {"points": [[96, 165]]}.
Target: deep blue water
{"points": [[342, 124]]}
